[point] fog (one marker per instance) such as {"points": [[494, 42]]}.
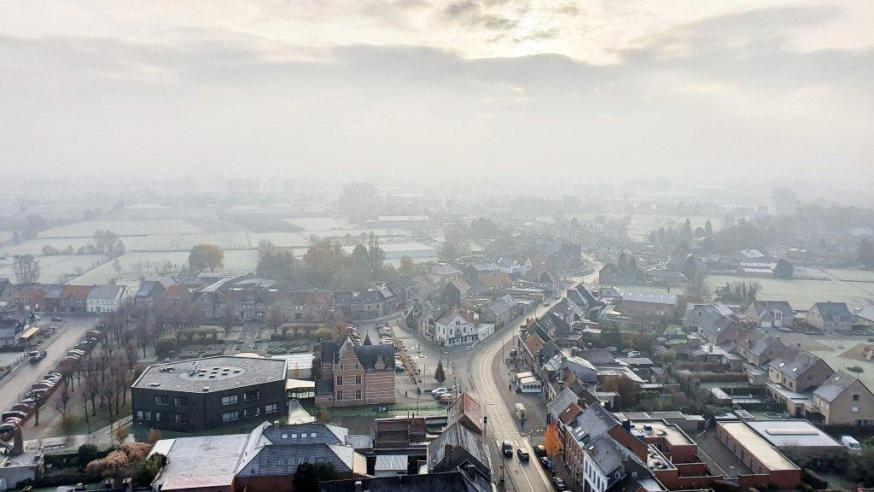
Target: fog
{"points": [[439, 91]]}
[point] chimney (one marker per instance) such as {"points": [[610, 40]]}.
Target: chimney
{"points": [[17, 443], [359, 486], [471, 472], [626, 424]]}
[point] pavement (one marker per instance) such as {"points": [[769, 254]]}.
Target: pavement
{"points": [[13, 386]]}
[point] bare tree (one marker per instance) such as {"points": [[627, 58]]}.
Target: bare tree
{"points": [[26, 269], [63, 400]]}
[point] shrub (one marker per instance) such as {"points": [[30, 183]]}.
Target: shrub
{"points": [[87, 453], [856, 369], [165, 345]]}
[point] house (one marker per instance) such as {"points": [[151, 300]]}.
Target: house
{"points": [[353, 375], [715, 323], [459, 448], [399, 432], [74, 298], [804, 373], [52, 298], [460, 328], [455, 291], [844, 400], [767, 464], [10, 329], [264, 460], [494, 281], [150, 293], [367, 304], [443, 273], [648, 305], [31, 298], [8, 291], [209, 393], [502, 311], [830, 317], [302, 305], [105, 298], [758, 348], [467, 411], [771, 314], [177, 295], [608, 274]]}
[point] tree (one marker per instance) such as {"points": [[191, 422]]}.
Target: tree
{"points": [[63, 400], [697, 289], [866, 253], [205, 256], [439, 375], [784, 269], [407, 266], [106, 243], [274, 263], [324, 333], [322, 261], [308, 475], [552, 440], [154, 435], [25, 268], [708, 228], [86, 454]]}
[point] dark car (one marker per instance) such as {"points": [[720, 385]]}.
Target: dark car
{"points": [[539, 450], [13, 413], [546, 463], [558, 484], [507, 449], [6, 430], [37, 355], [522, 454]]}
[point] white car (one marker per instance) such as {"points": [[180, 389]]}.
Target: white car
{"points": [[439, 390]]}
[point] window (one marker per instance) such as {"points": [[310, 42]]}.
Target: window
{"points": [[271, 408], [180, 401], [252, 395], [358, 394], [339, 380], [230, 416], [161, 416], [139, 415], [855, 397], [339, 395], [180, 418], [357, 379], [162, 400], [147, 415], [229, 400], [251, 412]]}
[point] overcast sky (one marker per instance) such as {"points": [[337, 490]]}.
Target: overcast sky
{"points": [[434, 88]]}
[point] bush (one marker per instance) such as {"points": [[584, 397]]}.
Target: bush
{"points": [[856, 369], [87, 453], [165, 345]]}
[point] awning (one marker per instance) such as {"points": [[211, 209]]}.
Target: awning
{"points": [[299, 384], [29, 333]]}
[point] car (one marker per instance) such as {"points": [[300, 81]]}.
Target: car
{"points": [[558, 483], [37, 355], [57, 319], [439, 390], [13, 413], [507, 449], [522, 454], [445, 399], [6, 430], [540, 450], [13, 420], [546, 463]]}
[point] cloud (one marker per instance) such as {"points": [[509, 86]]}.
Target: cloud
{"points": [[472, 13]]}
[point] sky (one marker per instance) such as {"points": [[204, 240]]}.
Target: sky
{"points": [[373, 89]]}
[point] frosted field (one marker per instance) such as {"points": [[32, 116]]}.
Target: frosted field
{"points": [[283, 239], [184, 242], [56, 268], [852, 275], [122, 228], [34, 246], [135, 266], [801, 294]]}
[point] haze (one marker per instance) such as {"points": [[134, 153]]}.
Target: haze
{"points": [[380, 89]]}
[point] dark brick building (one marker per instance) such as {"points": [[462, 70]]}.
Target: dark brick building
{"points": [[209, 393]]}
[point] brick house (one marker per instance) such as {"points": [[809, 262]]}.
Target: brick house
{"points": [[844, 400], [830, 316], [351, 375]]}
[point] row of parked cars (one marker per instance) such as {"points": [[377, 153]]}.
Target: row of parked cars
{"points": [[542, 458], [443, 395], [43, 389]]}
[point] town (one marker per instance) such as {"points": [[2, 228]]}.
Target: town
{"points": [[432, 351]]}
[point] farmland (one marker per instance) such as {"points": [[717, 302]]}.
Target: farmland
{"points": [[122, 228], [802, 293], [56, 268]]}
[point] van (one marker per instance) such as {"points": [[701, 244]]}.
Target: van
{"points": [[521, 413], [851, 443]]}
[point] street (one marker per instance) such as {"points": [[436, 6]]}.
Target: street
{"points": [[16, 384]]}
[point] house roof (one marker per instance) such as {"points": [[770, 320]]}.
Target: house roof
{"points": [[148, 288], [570, 413], [835, 386], [367, 355], [106, 292], [453, 436], [79, 292], [833, 311], [561, 402], [763, 308], [444, 269], [649, 298], [186, 463], [468, 408], [215, 373], [606, 453], [450, 315], [798, 366]]}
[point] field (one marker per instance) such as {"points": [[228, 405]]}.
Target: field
{"points": [[34, 246], [56, 268], [184, 242], [122, 228], [641, 225], [801, 294]]}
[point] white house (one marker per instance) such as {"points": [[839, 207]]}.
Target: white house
{"points": [[105, 298], [460, 328]]}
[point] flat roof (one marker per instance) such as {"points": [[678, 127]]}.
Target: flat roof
{"points": [[793, 433], [658, 428], [757, 446], [215, 373]]}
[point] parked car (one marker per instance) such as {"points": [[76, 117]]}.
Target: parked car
{"points": [[507, 449], [37, 355], [57, 319], [558, 483], [522, 454], [6, 431], [546, 463], [539, 450], [445, 399], [13, 413]]}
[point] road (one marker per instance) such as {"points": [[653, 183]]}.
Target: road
{"points": [[502, 424], [15, 385]]}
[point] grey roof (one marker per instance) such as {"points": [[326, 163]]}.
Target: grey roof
{"points": [[105, 292], [54, 291], [764, 344], [593, 422], [442, 269], [391, 462], [148, 288], [798, 366], [185, 458], [793, 434], [834, 311], [647, 297], [764, 308], [367, 354], [279, 449], [215, 373], [834, 386], [453, 436], [561, 402], [606, 453]]}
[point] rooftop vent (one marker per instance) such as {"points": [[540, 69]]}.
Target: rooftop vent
{"points": [[154, 385], [205, 389]]}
